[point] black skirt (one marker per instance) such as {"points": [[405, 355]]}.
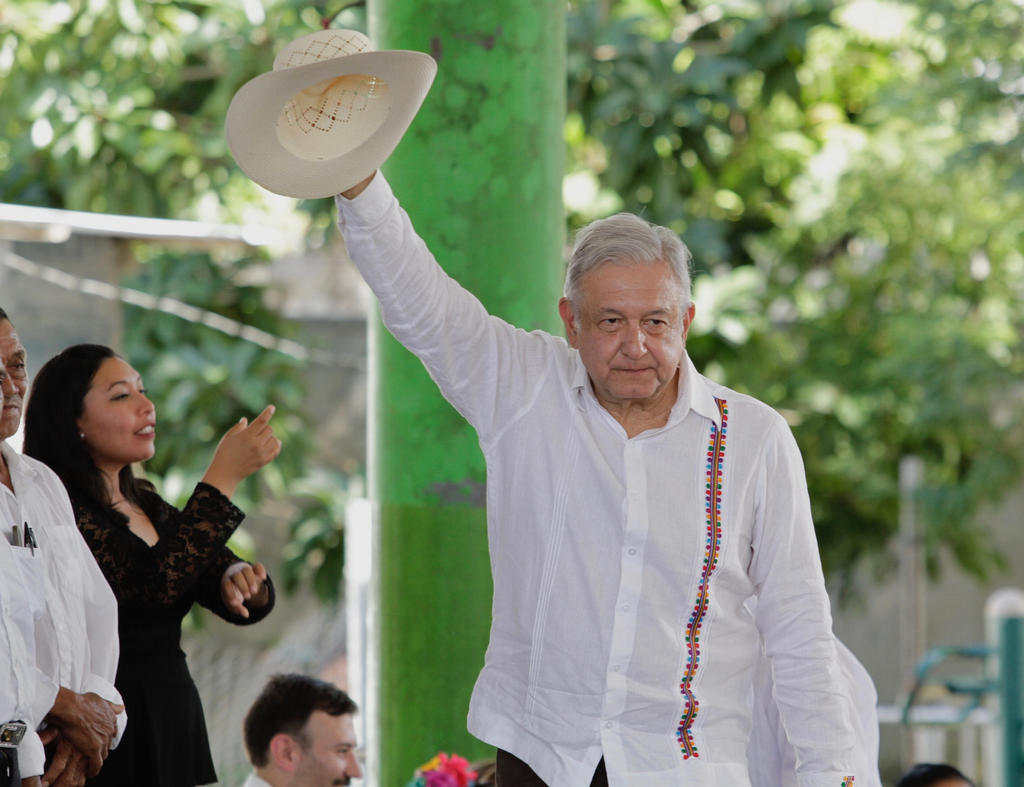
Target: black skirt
{"points": [[165, 742]]}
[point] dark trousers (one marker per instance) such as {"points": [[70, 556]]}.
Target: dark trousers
{"points": [[9, 776], [510, 771]]}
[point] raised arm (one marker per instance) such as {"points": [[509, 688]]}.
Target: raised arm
{"points": [[484, 366], [190, 539], [357, 189], [243, 450]]}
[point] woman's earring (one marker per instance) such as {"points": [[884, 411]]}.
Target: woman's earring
{"points": [[81, 435]]}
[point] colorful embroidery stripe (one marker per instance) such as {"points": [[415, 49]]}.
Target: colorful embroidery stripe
{"points": [[847, 781], [713, 513]]}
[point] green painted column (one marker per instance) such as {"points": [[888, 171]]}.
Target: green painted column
{"points": [[480, 174], [1011, 699]]}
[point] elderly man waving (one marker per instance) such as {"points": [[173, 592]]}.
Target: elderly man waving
{"points": [[633, 507]]}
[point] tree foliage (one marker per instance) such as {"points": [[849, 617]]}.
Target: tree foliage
{"points": [[118, 106], [847, 172]]}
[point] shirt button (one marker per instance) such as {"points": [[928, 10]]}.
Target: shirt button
{"points": [[607, 725], [616, 668], [632, 550], [625, 607]]}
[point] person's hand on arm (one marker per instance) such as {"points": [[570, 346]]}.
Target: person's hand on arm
{"points": [[67, 768], [357, 189], [88, 723], [244, 449], [244, 584]]}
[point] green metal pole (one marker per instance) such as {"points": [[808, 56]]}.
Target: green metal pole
{"points": [[1011, 699], [480, 173]]}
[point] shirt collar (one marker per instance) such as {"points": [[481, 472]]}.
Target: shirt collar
{"points": [[694, 392], [19, 469], [580, 379]]}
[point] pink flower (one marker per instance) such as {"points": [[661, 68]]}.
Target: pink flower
{"points": [[440, 779], [445, 771]]}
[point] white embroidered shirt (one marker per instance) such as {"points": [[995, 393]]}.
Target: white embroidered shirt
{"points": [[621, 565]]}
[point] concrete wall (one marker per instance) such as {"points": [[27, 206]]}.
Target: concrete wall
{"points": [[49, 317]]}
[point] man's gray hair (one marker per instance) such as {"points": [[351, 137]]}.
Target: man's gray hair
{"points": [[626, 239]]}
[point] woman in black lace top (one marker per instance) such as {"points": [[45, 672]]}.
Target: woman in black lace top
{"points": [[89, 419]]}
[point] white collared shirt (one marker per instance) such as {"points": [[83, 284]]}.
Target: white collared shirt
{"points": [[621, 566], [76, 641], [23, 688], [255, 781]]}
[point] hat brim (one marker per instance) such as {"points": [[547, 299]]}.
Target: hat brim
{"points": [[251, 124]]}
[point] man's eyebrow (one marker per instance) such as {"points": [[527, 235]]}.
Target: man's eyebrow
{"points": [[605, 311]]}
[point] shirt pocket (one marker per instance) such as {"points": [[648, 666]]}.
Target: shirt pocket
{"points": [[64, 566], [31, 570]]}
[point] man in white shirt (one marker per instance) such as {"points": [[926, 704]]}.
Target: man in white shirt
{"points": [[773, 760], [299, 733], [625, 532], [59, 616]]}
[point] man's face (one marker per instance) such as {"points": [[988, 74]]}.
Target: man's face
{"points": [[330, 757], [15, 379], [630, 332]]}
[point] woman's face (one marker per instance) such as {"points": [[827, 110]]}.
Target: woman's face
{"points": [[118, 422]]}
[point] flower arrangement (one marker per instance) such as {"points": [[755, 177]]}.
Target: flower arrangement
{"points": [[444, 771]]}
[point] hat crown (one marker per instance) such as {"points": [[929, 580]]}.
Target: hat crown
{"points": [[330, 113], [321, 45]]}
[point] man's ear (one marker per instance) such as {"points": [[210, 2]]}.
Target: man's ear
{"points": [[285, 752], [688, 320], [569, 321]]}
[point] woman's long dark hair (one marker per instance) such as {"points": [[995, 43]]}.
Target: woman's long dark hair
{"points": [[51, 424]]}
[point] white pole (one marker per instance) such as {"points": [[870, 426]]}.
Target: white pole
{"points": [[913, 622]]}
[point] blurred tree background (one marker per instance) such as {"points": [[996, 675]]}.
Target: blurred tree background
{"points": [[848, 173]]}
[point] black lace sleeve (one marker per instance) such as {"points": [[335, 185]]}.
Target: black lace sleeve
{"points": [[190, 540], [210, 597]]}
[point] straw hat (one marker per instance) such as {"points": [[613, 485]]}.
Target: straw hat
{"points": [[328, 115]]}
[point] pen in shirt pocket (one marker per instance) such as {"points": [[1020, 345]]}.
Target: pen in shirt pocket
{"points": [[30, 539]]}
